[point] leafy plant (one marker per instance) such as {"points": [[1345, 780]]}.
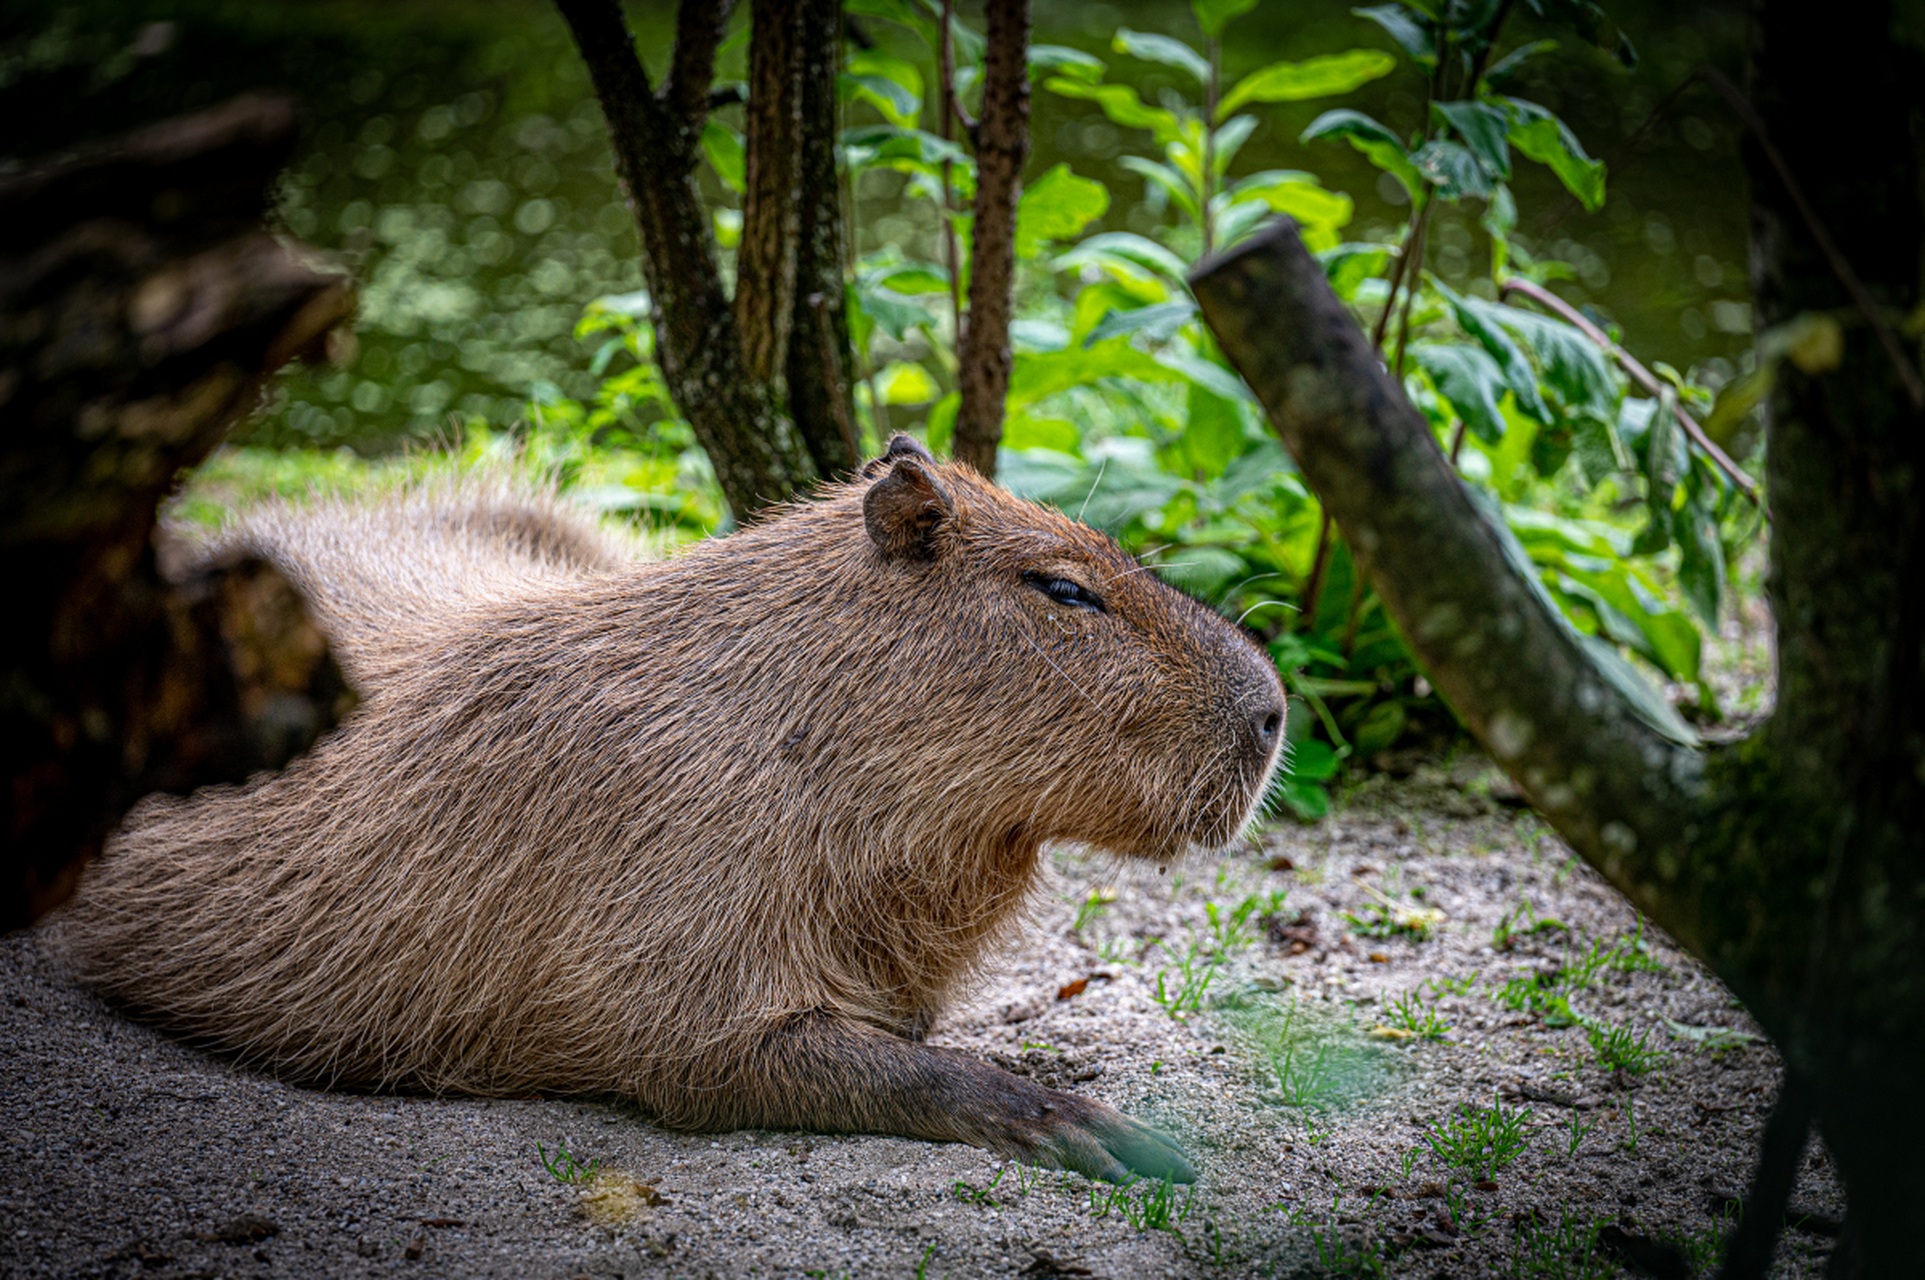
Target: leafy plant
{"points": [[1567, 1251]]}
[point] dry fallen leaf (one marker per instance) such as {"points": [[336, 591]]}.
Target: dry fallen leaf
{"points": [[1073, 989]]}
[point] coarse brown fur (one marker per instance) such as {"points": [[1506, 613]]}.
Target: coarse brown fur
{"points": [[722, 833]]}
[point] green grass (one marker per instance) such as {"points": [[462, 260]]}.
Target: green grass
{"points": [[1481, 1141], [1410, 1012], [1568, 1250], [1617, 1049], [568, 1167]]}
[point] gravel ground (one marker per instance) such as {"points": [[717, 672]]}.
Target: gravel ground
{"points": [[1312, 1108]]}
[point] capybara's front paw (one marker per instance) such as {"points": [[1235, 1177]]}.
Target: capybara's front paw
{"points": [[1098, 1141]]}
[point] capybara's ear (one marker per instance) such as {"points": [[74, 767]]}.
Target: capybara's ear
{"points": [[905, 508], [900, 445]]}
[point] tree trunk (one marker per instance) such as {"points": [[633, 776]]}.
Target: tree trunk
{"points": [[145, 307], [820, 363], [1789, 862], [757, 454], [765, 259], [1002, 145]]}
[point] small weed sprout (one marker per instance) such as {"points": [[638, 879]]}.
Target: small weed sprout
{"points": [[1567, 1251], [1521, 921], [1410, 1012], [1340, 1257], [1194, 974], [1630, 1142], [1481, 1140], [1634, 953], [1408, 1163], [566, 1166], [1618, 1050], [1454, 986], [969, 1194], [1537, 994], [1578, 1133], [1093, 906]]}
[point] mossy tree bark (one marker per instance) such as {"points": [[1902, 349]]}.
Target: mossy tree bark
{"points": [[763, 377], [1790, 862]]}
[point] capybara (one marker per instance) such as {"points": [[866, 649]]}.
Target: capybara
{"points": [[722, 833]]}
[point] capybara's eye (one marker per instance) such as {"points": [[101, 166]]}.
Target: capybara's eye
{"points": [[1063, 591]]}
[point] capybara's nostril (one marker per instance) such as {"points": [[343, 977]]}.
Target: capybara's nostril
{"points": [[1267, 723]]}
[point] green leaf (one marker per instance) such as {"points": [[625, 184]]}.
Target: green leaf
{"points": [[1125, 246], [1482, 321], [904, 383], [889, 311], [1349, 265], [1164, 50], [1120, 103], [1319, 77], [1044, 373], [1057, 206], [723, 147], [1378, 145], [1159, 322], [898, 106], [1701, 569], [1380, 729], [1228, 140], [1312, 761], [942, 422], [1321, 213], [914, 277], [1453, 169], [1212, 431], [1467, 377], [1546, 139], [1163, 176], [1024, 432], [1572, 365], [1482, 127], [1509, 65], [1411, 31], [1214, 15], [1056, 59]]}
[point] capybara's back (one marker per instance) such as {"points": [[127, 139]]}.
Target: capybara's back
{"points": [[722, 833]]}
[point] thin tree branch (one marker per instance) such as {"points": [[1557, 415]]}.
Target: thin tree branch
{"points": [[1861, 298], [1639, 374], [984, 357], [1624, 794], [700, 26]]}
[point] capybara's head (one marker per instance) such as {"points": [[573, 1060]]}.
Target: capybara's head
{"points": [[1080, 698]]}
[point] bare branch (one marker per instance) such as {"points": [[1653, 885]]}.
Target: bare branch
{"points": [[1002, 145]]}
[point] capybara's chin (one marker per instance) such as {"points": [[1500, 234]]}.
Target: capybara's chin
{"points": [[723, 833]]}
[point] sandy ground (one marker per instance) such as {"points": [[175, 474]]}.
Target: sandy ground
{"points": [[1323, 1128]]}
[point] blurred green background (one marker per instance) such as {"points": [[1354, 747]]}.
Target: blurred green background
{"points": [[456, 163]]}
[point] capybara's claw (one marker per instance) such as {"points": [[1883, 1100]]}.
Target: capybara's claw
{"points": [[1101, 1142]]}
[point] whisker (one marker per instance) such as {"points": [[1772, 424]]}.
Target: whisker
{"points": [[1092, 489]]}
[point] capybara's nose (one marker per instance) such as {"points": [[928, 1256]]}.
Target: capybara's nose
{"points": [[1266, 723]]}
